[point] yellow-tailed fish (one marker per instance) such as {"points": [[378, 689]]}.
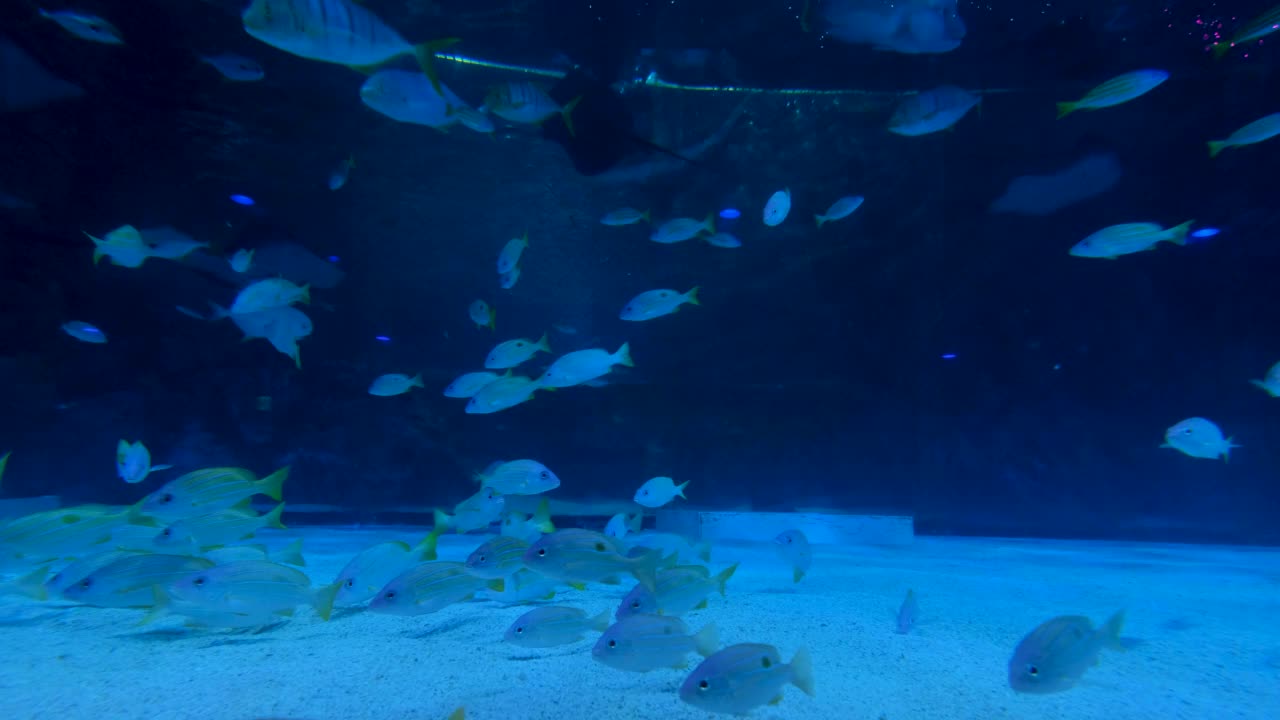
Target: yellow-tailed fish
{"points": [[133, 462], [552, 626], [1117, 90], [217, 528], [524, 103], [269, 294], [656, 303], [678, 591], [82, 568], [209, 490], [742, 677], [124, 246], [73, 531], [641, 643], [625, 216], [252, 586], [511, 353], [128, 581], [576, 555], [658, 491], [509, 256], [1055, 655], [375, 566], [30, 585], [682, 229], [1198, 437], [290, 554], [1257, 28], [85, 26], [482, 315], [518, 477], [429, 587], [335, 31], [468, 384], [583, 366], [393, 384], [670, 544], [503, 393], [1128, 238], [528, 527], [1263, 128], [793, 548], [497, 558], [525, 586], [478, 511]]}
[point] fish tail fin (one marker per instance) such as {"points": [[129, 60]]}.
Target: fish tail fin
{"points": [[635, 523], [709, 223], [425, 54], [291, 554], [601, 622], [565, 114], [493, 320], [723, 576], [426, 548], [32, 584], [1110, 632], [443, 520], [297, 357], [623, 356], [802, 671], [543, 343], [459, 714], [160, 606], [272, 519], [163, 466], [819, 219], [645, 569], [273, 485], [1215, 147], [542, 517], [305, 297], [647, 216], [797, 574], [416, 381], [707, 641], [322, 599], [680, 489], [1065, 109], [1226, 451], [1178, 233], [499, 585], [691, 297], [1221, 49]]}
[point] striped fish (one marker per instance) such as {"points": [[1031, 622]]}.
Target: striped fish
{"points": [[1260, 27], [334, 31], [1117, 90], [526, 104]]}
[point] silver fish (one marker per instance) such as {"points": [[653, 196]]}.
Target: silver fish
{"points": [[742, 677], [551, 626]]}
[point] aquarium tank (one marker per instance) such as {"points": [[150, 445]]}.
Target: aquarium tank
{"points": [[637, 359]]}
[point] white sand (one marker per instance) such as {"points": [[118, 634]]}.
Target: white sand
{"points": [[1210, 618]]}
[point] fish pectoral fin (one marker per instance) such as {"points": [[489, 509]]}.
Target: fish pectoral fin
{"points": [[776, 700]]}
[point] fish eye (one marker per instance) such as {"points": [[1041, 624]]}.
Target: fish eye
{"points": [[86, 583], [542, 552], [599, 547], [704, 685], [166, 498], [481, 559], [613, 643], [198, 582], [635, 604], [351, 582], [389, 595], [1032, 670], [766, 663], [1186, 431], [519, 630], [544, 475]]}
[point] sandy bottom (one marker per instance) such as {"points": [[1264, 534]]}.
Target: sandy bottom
{"points": [[1209, 619]]}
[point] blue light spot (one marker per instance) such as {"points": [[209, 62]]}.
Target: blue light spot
{"points": [[730, 214], [334, 258], [92, 330], [948, 356], [1205, 232], [242, 200], [382, 338]]}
